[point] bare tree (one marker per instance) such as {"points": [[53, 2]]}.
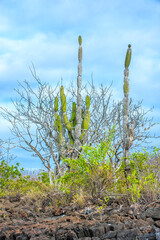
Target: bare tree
{"points": [[5, 151], [32, 121]]}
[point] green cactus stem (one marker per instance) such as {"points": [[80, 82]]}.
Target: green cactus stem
{"points": [[80, 40], [73, 117], [128, 56], [126, 87], [82, 135], [63, 102], [87, 102], [56, 104], [71, 139], [57, 123], [61, 91], [86, 120], [67, 123]]}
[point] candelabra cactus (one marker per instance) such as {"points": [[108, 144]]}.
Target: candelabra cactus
{"points": [[126, 109], [72, 123], [78, 124]]}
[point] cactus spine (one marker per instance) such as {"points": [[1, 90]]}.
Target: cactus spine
{"points": [[126, 110]]}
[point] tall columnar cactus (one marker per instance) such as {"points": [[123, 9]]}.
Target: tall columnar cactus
{"points": [[79, 97], [126, 109], [78, 124]]}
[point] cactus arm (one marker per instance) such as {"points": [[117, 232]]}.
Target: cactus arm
{"points": [[56, 104], [87, 102], [86, 119], [64, 106]]}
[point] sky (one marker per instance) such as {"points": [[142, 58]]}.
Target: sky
{"points": [[45, 33]]}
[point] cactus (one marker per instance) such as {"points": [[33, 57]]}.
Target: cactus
{"points": [[61, 91], [126, 111], [67, 123], [73, 117], [58, 127], [63, 101], [80, 40], [57, 123], [56, 104], [128, 56], [87, 102], [77, 133], [126, 87], [86, 120], [78, 124]]}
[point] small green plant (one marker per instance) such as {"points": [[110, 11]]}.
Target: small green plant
{"points": [[8, 175], [44, 177], [4, 216], [102, 207]]}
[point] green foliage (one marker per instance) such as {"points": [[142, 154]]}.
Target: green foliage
{"points": [[92, 175], [8, 174], [44, 177], [92, 171], [143, 180]]}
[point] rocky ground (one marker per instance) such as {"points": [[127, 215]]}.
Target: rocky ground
{"points": [[21, 220]]}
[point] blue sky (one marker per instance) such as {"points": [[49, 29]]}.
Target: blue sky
{"points": [[45, 32]]}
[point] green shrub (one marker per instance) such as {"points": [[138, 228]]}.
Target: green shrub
{"points": [[143, 180], [92, 171]]}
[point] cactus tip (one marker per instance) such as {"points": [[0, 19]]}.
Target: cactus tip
{"points": [[129, 45], [80, 40]]}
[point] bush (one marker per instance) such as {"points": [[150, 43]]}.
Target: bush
{"points": [[144, 182], [92, 171]]}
